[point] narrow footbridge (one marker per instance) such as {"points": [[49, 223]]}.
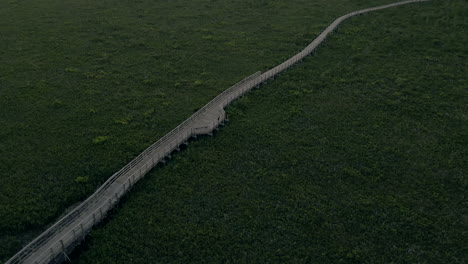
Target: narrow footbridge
{"points": [[53, 244]]}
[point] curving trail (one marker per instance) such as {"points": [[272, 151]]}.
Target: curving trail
{"points": [[53, 245]]}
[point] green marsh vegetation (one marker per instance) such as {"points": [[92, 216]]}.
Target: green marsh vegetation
{"points": [[86, 85], [357, 155], [354, 155]]}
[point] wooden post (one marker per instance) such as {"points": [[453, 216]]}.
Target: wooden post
{"points": [[63, 246], [51, 254], [82, 231], [63, 250]]}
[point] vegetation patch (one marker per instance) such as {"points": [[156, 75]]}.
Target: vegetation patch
{"points": [[74, 70], [357, 155], [100, 139], [67, 76]]}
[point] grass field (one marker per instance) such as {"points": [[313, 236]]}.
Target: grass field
{"points": [[86, 85], [357, 155]]}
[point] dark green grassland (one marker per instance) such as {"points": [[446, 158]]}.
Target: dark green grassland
{"points": [[87, 85], [356, 155]]}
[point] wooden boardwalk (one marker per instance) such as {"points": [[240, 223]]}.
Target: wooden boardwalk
{"points": [[53, 245]]}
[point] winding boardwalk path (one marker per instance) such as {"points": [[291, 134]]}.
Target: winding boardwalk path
{"points": [[53, 245]]}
